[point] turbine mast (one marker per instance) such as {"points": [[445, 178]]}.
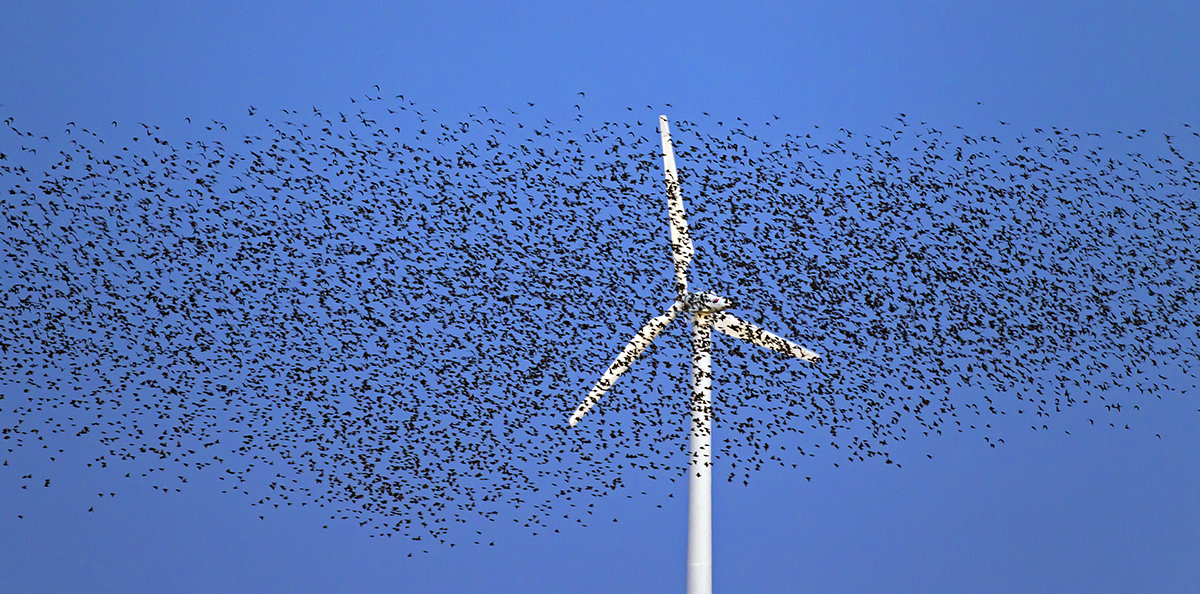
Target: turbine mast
{"points": [[699, 542]]}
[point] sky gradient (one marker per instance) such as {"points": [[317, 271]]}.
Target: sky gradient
{"points": [[1098, 510]]}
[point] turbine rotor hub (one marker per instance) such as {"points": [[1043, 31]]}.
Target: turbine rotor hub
{"points": [[704, 302]]}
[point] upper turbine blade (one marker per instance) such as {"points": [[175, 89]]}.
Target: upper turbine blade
{"points": [[640, 341], [681, 238], [736, 328]]}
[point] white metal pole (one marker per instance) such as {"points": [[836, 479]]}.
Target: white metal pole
{"points": [[699, 553]]}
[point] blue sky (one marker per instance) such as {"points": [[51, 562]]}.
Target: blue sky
{"points": [[1098, 510]]}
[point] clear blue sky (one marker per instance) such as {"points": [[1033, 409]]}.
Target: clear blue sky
{"points": [[1098, 510]]}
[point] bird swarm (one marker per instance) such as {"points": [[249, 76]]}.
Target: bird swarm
{"points": [[394, 313]]}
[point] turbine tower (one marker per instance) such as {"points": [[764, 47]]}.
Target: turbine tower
{"points": [[707, 312]]}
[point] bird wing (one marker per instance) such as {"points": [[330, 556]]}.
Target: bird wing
{"points": [[681, 238], [632, 351], [736, 328]]}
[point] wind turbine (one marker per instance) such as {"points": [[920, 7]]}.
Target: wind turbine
{"points": [[707, 311]]}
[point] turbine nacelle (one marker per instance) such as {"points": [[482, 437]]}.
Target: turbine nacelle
{"points": [[704, 302]]}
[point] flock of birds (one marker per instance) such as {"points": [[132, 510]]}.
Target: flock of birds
{"points": [[390, 314]]}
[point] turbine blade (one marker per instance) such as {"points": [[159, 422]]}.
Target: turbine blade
{"points": [[736, 328], [681, 238], [632, 351]]}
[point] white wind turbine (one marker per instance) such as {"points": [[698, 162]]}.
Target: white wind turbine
{"points": [[708, 312]]}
